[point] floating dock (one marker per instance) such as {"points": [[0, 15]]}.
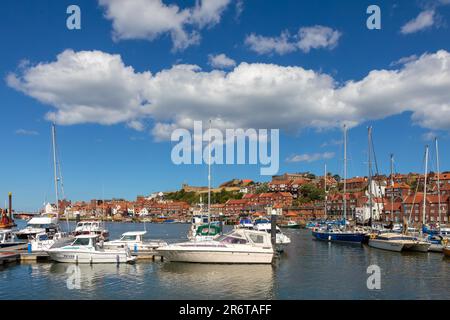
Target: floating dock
{"points": [[33, 256], [7, 257], [147, 255]]}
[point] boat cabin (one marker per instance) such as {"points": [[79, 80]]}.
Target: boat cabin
{"points": [[133, 236], [87, 225], [86, 240], [43, 223], [197, 220], [244, 236]]}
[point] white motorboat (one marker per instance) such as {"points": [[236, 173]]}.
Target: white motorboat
{"points": [[134, 240], [240, 246], [397, 227], [42, 242], [91, 227], [8, 239], [85, 249], [37, 225], [246, 223], [398, 242], [281, 239], [437, 242]]}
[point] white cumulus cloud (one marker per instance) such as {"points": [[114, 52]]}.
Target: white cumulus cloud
{"points": [[307, 157], [86, 87], [97, 87], [318, 37], [151, 19], [266, 45], [424, 20], [315, 37], [221, 61]]}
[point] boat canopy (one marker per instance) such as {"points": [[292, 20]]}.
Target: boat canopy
{"points": [[134, 233], [42, 221], [208, 230]]}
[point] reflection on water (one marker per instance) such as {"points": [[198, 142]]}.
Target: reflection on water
{"points": [[217, 281], [308, 269]]}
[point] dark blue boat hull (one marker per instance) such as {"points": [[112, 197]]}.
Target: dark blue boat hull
{"points": [[339, 237]]}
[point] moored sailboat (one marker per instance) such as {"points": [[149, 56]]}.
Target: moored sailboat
{"points": [[398, 242], [332, 233]]}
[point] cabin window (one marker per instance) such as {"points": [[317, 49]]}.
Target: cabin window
{"points": [[43, 237], [233, 240], [257, 238], [81, 242], [129, 238]]}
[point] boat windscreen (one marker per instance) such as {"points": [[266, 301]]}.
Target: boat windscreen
{"points": [[81, 242], [232, 240], [128, 238]]}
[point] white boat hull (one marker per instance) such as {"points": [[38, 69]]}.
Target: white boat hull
{"points": [[386, 245], [399, 246], [66, 256], [436, 247], [230, 257], [420, 247]]}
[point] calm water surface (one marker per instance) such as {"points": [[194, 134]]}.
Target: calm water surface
{"points": [[308, 269]]}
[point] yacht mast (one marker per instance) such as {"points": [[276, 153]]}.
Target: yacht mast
{"points": [[325, 187], [345, 174], [438, 180], [55, 167], [369, 138], [209, 172], [392, 187], [425, 187]]}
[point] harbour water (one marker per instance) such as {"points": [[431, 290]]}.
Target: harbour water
{"points": [[308, 269]]}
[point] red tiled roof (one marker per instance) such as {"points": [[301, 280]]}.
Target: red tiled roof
{"points": [[357, 180]]}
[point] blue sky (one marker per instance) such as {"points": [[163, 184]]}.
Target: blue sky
{"points": [[106, 156]]}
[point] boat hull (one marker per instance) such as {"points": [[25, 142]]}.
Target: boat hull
{"points": [[234, 257], [290, 226], [398, 246], [11, 244], [436, 247], [67, 256], [419, 247], [386, 245], [339, 237]]}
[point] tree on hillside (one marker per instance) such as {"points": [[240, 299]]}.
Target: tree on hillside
{"points": [[310, 193]]}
